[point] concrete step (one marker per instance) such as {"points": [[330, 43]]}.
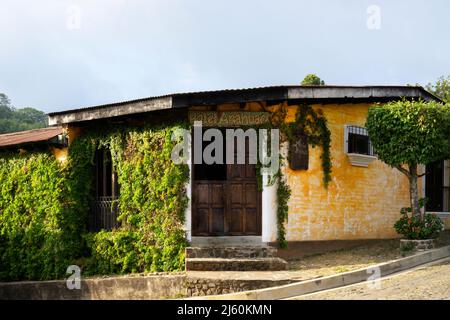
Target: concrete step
{"points": [[227, 241], [241, 252], [233, 264]]}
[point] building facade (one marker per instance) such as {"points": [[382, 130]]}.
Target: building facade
{"points": [[362, 200]]}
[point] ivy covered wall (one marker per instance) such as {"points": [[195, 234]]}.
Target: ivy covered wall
{"points": [[44, 206], [40, 218], [152, 203]]}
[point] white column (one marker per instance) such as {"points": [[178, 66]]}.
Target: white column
{"points": [[269, 210], [188, 212], [270, 203]]}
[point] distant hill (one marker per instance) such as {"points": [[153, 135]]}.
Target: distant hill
{"points": [[12, 119]]}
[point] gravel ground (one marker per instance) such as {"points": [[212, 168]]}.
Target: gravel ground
{"points": [[428, 283], [352, 259]]}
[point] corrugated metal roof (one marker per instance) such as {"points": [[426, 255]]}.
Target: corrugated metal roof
{"points": [[29, 136], [305, 94], [197, 93], [119, 103]]}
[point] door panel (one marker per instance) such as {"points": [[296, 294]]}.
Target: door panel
{"points": [[201, 221], [236, 221], [236, 191], [208, 214], [202, 193], [250, 171], [218, 221], [251, 221], [217, 194], [251, 195]]}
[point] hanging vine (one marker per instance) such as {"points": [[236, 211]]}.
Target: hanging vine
{"points": [[312, 125], [283, 195]]}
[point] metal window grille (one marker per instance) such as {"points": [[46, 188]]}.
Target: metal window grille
{"points": [[104, 213], [357, 141]]}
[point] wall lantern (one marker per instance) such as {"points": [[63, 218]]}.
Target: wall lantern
{"points": [[63, 140]]}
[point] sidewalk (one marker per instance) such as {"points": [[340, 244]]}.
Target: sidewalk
{"points": [[428, 282]]}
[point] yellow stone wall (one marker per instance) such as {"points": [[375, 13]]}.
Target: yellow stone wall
{"points": [[361, 203]]}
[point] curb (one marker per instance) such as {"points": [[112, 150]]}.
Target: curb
{"points": [[335, 281]]}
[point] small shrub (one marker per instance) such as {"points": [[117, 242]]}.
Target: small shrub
{"points": [[414, 228]]}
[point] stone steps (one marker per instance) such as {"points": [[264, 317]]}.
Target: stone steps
{"points": [[226, 241], [235, 264], [244, 258], [231, 252]]}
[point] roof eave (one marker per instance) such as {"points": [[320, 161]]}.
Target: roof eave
{"points": [[110, 111]]}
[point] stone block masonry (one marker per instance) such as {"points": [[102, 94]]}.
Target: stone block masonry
{"points": [[242, 258]]}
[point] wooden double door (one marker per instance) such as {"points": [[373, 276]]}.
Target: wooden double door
{"points": [[226, 200]]}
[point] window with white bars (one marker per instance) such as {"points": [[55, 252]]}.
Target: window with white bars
{"points": [[357, 141]]}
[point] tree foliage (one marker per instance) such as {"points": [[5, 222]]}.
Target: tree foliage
{"points": [[409, 132], [312, 80], [12, 119], [406, 134], [441, 88]]}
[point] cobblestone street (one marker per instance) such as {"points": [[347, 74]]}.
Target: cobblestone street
{"points": [[432, 282]]}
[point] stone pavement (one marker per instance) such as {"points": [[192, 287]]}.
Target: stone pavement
{"points": [[431, 282]]}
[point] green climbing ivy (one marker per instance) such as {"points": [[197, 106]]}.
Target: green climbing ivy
{"points": [[40, 218], [283, 195], [44, 206], [152, 202]]}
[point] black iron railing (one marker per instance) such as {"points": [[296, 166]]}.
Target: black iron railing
{"points": [[103, 214]]}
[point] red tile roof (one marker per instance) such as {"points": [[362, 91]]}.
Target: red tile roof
{"points": [[22, 137]]}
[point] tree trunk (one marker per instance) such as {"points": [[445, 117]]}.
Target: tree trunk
{"points": [[413, 190]]}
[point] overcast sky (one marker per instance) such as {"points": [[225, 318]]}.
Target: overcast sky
{"points": [[57, 55]]}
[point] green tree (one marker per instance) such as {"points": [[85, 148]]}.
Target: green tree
{"points": [[441, 88], [312, 80], [406, 134], [12, 119]]}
